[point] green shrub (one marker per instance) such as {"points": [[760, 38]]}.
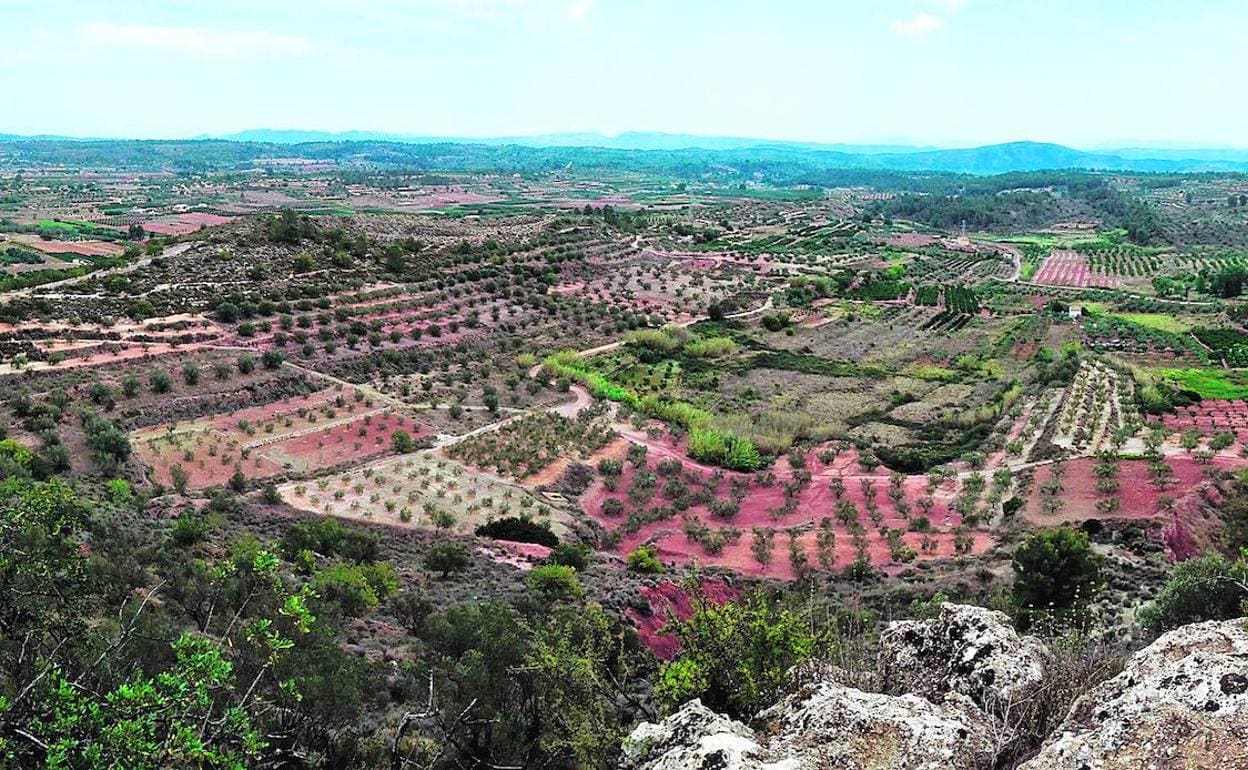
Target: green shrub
{"points": [[554, 582], [1055, 570], [736, 657], [645, 559], [447, 557], [1209, 588]]}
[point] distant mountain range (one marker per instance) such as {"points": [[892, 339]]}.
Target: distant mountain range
{"points": [[991, 159], [629, 140]]}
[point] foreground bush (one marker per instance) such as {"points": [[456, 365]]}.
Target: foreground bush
{"points": [[1209, 588], [736, 657]]}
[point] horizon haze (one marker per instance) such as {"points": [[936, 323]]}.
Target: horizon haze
{"points": [[927, 73]]}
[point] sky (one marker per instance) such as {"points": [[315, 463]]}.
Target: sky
{"points": [[1087, 73]]}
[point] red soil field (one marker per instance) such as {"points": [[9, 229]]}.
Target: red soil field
{"points": [[447, 198], [84, 248], [1177, 530], [1211, 417], [1070, 268], [668, 600], [814, 503], [914, 240], [523, 556], [128, 351], [346, 442], [183, 224], [212, 472], [203, 218]]}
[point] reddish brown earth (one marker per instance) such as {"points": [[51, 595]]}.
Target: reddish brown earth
{"points": [[815, 502], [1064, 267], [667, 600], [183, 224], [523, 556], [84, 248], [1180, 530], [913, 240], [347, 442]]}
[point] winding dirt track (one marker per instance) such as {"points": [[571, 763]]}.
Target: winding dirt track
{"points": [[170, 251]]}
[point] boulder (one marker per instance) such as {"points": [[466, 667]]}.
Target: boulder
{"points": [[1182, 702], [822, 727], [832, 727], [695, 738], [969, 650]]}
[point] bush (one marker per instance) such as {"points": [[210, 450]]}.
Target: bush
{"points": [[1210, 588], [736, 657], [519, 530], [109, 443], [411, 608], [401, 441], [323, 535], [1055, 570], [160, 381], [645, 560], [446, 557], [554, 583], [356, 589], [270, 495], [575, 555], [189, 529]]}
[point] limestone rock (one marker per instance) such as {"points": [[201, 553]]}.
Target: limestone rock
{"points": [[823, 727], [969, 650], [1182, 702], [833, 727], [695, 738]]}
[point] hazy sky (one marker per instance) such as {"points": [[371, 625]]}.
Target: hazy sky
{"points": [[1089, 73]]}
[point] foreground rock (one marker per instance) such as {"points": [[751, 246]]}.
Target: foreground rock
{"points": [[954, 663], [826, 726], [695, 738], [1179, 704], [1182, 702], [833, 727], [969, 650]]}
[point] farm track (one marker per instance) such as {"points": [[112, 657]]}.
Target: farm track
{"points": [[366, 389], [581, 397], [170, 251]]}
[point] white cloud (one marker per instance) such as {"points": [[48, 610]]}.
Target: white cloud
{"points": [[194, 40], [921, 25], [579, 9]]}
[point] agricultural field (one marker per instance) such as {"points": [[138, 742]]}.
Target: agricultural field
{"points": [[1065, 267], [290, 437], [430, 398]]}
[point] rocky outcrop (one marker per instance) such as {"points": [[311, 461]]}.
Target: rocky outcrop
{"points": [[969, 650], [695, 738], [1182, 702], [833, 727], [955, 663], [825, 726]]}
